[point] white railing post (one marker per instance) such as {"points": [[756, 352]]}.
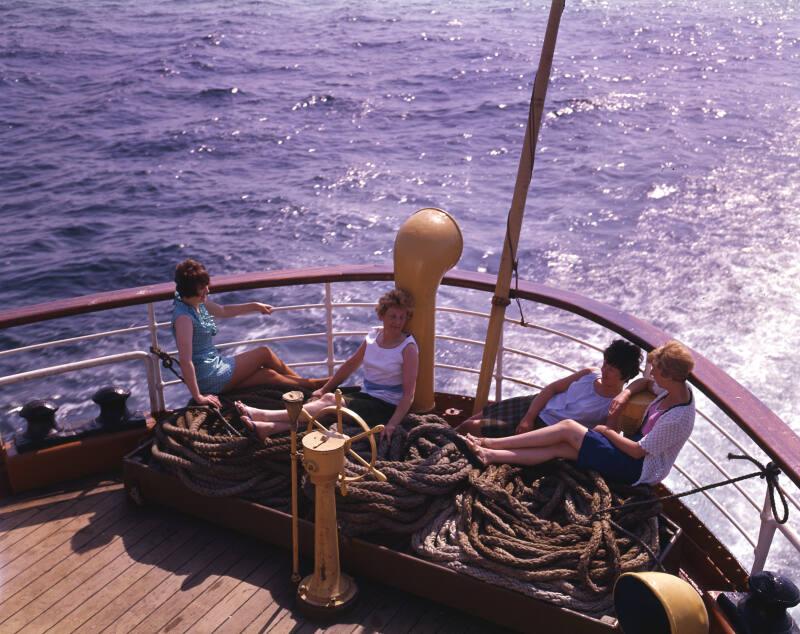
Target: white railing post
{"points": [[765, 535], [498, 367], [329, 326], [158, 382]]}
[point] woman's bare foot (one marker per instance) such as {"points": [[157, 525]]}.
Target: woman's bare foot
{"points": [[264, 430], [476, 447], [243, 410]]}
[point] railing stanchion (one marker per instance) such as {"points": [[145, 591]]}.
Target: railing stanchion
{"points": [[329, 325], [765, 535], [157, 384]]}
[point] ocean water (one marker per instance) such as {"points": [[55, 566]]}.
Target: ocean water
{"points": [[260, 135]]}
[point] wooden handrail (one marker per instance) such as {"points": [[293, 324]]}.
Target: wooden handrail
{"points": [[766, 429]]}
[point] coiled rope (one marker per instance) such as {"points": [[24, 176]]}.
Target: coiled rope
{"points": [[539, 531]]}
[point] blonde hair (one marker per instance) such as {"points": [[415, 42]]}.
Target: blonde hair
{"points": [[673, 359], [395, 298]]}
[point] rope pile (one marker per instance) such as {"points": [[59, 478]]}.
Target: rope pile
{"points": [[197, 445], [541, 531], [424, 468], [537, 531]]}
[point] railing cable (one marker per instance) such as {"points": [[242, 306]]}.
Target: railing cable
{"points": [[770, 473]]}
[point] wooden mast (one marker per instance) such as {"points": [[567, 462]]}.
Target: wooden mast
{"points": [[524, 173]]}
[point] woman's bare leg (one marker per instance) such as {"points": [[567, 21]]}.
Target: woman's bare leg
{"points": [[262, 366], [280, 415], [267, 422], [565, 431], [526, 457]]}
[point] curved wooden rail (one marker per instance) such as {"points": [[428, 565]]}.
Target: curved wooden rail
{"points": [[756, 419]]}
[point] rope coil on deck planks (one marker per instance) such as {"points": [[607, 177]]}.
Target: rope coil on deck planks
{"points": [[541, 531]]}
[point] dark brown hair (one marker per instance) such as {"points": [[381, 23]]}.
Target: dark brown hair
{"points": [[190, 277]]}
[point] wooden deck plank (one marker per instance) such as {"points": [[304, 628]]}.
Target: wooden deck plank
{"points": [[11, 520], [110, 594], [49, 537], [41, 523], [266, 600], [62, 561], [221, 559], [390, 604], [197, 614], [236, 598], [117, 568], [54, 604], [166, 584], [45, 498], [145, 572]]}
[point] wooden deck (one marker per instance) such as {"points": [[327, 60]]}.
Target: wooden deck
{"points": [[85, 559]]}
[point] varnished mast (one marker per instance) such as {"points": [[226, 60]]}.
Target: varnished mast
{"points": [[524, 172]]}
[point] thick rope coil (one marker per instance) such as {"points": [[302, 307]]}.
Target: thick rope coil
{"points": [[546, 532], [203, 453]]}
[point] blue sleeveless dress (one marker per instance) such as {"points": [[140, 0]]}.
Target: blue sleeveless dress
{"points": [[212, 369]]}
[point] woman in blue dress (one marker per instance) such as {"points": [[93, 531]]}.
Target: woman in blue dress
{"points": [[206, 371]]}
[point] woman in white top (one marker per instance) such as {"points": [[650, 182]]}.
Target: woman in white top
{"points": [[390, 358], [584, 396], [645, 458]]}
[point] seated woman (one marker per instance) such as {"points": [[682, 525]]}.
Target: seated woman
{"points": [[645, 458], [206, 371], [584, 396], [391, 359]]}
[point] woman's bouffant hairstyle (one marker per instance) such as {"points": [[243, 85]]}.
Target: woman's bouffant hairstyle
{"points": [[673, 359], [624, 356], [190, 277], [396, 297]]}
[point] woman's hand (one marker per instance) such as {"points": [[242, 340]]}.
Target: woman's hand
{"points": [[317, 394], [209, 400], [386, 434], [619, 402], [524, 425], [264, 309], [603, 429]]}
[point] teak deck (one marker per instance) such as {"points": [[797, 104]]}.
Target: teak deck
{"points": [[85, 559]]}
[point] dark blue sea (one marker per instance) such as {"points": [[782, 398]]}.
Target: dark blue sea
{"points": [[258, 135]]}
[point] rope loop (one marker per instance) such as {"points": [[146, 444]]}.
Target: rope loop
{"points": [[166, 360], [770, 473]]}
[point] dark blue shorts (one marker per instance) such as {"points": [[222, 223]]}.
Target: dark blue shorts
{"points": [[599, 454]]}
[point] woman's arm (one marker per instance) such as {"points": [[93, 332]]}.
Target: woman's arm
{"points": [[538, 403], [234, 310], [344, 371], [625, 445], [183, 337], [620, 400], [410, 369]]}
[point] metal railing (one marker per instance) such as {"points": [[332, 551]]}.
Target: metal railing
{"points": [[156, 385]]}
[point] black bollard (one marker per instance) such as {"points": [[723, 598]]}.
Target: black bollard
{"points": [[41, 417], [113, 409], [763, 610]]}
